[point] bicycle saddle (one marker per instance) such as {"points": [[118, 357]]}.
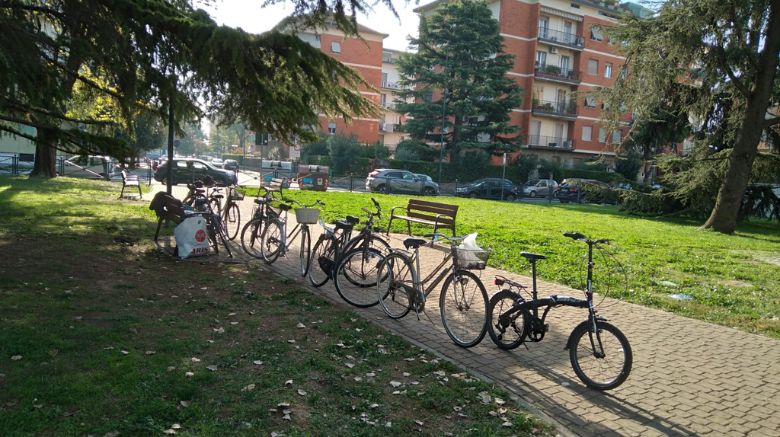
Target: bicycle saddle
{"points": [[201, 201], [218, 196], [352, 220], [531, 257], [414, 243], [344, 224], [285, 207], [261, 201]]}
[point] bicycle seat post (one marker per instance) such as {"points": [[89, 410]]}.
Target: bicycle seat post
{"points": [[533, 276]]}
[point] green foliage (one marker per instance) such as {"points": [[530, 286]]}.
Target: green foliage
{"points": [[628, 165], [696, 178], [654, 203], [342, 151], [457, 81]]}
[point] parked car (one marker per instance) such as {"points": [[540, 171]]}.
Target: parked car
{"points": [[540, 188], [90, 166], [230, 164], [576, 189], [387, 180], [217, 162], [186, 170], [489, 188]]}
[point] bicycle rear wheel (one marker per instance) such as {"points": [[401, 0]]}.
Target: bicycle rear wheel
{"points": [[395, 281], [323, 260], [505, 328], [360, 266], [250, 236], [375, 243], [463, 304], [601, 359], [305, 252], [271, 241], [232, 220]]}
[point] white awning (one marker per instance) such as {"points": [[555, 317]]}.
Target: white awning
{"points": [[550, 11]]}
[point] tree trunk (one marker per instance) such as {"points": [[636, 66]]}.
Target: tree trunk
{"points": [[45, 165], [724, 215]]}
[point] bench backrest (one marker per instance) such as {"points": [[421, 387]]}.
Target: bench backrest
{"points": [[424, 209], [124, 175]]}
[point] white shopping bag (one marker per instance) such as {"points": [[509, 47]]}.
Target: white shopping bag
{"points": [[191, 237]]}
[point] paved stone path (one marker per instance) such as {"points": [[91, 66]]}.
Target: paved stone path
{"points": [[688, 378]]}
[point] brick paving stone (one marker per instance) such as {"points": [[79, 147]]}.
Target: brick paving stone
{"points": [[689, 377]]}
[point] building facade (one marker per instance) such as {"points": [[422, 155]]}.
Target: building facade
{"points": [[562, 54], [391, 120]]}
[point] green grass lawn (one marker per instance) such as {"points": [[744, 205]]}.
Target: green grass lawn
{"points": [[100, 334], [734, 280]]}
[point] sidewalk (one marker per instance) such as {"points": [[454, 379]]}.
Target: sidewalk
{"points": [[688, 378]]}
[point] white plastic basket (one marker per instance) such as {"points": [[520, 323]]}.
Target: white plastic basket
{"points": [[472, 259], [310, 216]]}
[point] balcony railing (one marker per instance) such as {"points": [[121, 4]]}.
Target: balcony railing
{"points": [[550, 142], [558, 109], [560, 37], [389, 127], [392, 85], [555, 72]]}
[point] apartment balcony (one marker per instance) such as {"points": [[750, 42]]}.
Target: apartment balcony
{"points": [[560, 38], [392, 86], [545, 142], [554, 73], [566, 109], [389, 127]]}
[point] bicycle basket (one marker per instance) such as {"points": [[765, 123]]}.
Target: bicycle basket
{"points": [[310, 216], [472, 259]]}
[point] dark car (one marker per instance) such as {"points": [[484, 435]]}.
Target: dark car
{"points": [[489, 188], [580, 190], [187, 170], [387, 180], [230, 164]]}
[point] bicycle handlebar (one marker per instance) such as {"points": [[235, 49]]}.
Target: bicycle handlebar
{"points": [[578, 236]]}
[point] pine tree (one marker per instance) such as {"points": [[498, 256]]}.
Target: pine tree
{"points": [[456, 84]]}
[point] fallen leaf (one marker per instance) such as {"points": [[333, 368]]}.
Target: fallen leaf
{"points": [[150, 352], [257, 363], [500, 401], [250, 387], [195, 360], [419, 422], [358, 379], [484, 397], [184, 404], [288, 382], [170, 368], [349, 365], [124, 352], [212, 368], [302, 392], [290, 341], [372, 406], [395, 383], [175, 426], [16, 358], [388, 424], [169, 431], [300, 325], [189, 374], [507, 424]]}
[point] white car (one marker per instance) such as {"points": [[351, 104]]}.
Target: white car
{"points": [[217, 162]]}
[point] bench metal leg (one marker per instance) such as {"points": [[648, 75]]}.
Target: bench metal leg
{"points": [[408, 227], [389, 226], [140, 194], [122, 194]]}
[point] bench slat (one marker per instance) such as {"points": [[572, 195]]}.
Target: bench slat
{"points": [[439, 215]]}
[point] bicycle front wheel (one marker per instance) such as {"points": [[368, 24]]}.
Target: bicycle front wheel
{"points": [[250, 237], [463, 304], [395, 285], [360, 266], [271, 241], [305, 252], [323, 260], [601, 359], [505, 327], [232, 220]]}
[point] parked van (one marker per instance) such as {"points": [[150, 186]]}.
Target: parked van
{"points": [[90, 166]]}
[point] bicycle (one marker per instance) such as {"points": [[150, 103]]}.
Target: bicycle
{"points": [[354, 275], [200, 204], [253, 229], [599, 352], [275, 240], [231, 214], [463, 300], [325, 252]]}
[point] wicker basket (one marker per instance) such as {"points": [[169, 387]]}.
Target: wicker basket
{"points": [[307, 215], [472, 259]]}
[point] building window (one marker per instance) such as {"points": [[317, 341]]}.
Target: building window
{"points": [[590, 101], [384, 80], [383, 99], [596, 34], [586, 133], [593, 67], [608, 70], [541, 59], [602, 135], [616, 137], [544, 24], [332, 127], [335, 47]]}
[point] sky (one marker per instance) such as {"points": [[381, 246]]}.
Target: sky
{"points": [[252, 17]]}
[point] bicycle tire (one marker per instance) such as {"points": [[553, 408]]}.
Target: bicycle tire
{"points": [[250, 237], [222, 234], [395, 278], [507, 333], [588, 365], [232, 220], [271, 241], [374, 242], [305, 250], [323, 258], [463, 305], [216, 206], [358, 263]]}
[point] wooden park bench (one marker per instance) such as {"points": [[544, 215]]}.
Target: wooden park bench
{"points": [[439, 215], [130, 180]]}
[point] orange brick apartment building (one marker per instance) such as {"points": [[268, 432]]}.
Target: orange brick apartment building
{"points": [[561, 53]]}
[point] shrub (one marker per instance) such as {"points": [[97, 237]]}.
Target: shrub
{"points": [[654, 203]]}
